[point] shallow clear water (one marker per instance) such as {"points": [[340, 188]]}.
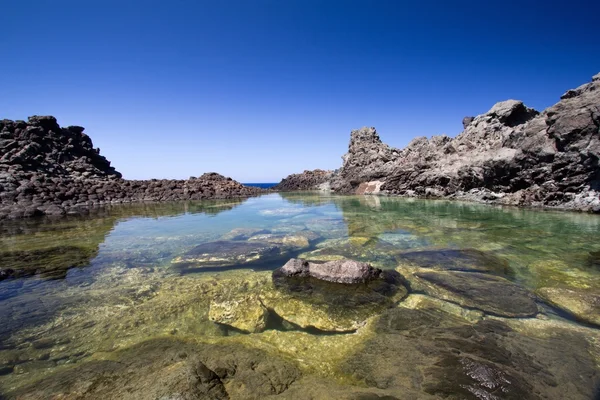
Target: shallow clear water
{"points": [[83, 289]]}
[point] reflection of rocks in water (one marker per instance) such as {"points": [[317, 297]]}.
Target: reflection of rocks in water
{"points": [[225, 253], [170, 369], [471, 260], [51, 263], [22, 256], [584, 305], [444, 356], [491, 294]]}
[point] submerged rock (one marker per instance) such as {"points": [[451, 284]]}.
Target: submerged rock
{"points": [[224, 253], [367, 249], [471, 260], [243, 233], [584, 305], [488, 293], [340, 271], [244, 312], [444, 356], [335, 296], [170, 369]]}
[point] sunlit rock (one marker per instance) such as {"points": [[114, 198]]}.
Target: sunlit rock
{"points": [[225, 253], [243, 312], [584, 305]]}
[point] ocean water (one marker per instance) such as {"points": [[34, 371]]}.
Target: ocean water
{"points": [[479, 302], [261, 185]]}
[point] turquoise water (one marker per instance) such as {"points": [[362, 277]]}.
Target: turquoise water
{"points": [[83, 290]]}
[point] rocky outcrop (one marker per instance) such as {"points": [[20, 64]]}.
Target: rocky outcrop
{"points": [[510, 155], [46, 169], [338, 271], [307, 180]]}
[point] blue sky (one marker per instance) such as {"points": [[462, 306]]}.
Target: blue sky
{"points": [[260, 89]]}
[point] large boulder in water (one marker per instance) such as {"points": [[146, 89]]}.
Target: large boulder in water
{"points": [[338, 271]]}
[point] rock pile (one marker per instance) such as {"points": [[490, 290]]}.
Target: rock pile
{"points": [[46, 169], [307, 180], [510, 155]]}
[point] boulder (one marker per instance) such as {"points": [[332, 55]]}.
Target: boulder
{"points": [[224, 253], [583, 305], [339, 271], [491, 294]]}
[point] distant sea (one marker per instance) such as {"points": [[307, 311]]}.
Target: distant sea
{"points": [[261, 185]]}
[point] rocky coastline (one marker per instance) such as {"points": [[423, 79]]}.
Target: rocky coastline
{"points": [[511, 155], [49, 170]]}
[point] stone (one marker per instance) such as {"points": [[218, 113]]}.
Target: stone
{"points": [[170, 369], [510, 155], [303, 298], [467, 121], [224, 253], [491, 294], [442, 355], [307, 180], [584, 305], [471, 260], [49, 170], [244, 233], [245, 313], [339, 271]]}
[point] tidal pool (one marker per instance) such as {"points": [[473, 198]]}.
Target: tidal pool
{"points": [[178, 301]]}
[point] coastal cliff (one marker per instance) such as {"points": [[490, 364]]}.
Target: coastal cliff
{"points": [[511, 155], [49, 170]]}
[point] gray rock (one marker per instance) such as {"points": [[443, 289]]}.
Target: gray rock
{"points": [[339, 271], [307, 180], [224, 253], [510, 155], [488, 293], [467, 121]]}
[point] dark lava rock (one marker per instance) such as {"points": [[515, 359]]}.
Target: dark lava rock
{"points": [[48, 263], [467, 121], [170, 369], [307, 180], [471, 260], [226, 253], [488, 293], [339, 271], [54, 171], [442, 355], [510, 155]]}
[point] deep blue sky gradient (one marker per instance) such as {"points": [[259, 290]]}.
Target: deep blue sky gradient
{"points": [[260, 89]]}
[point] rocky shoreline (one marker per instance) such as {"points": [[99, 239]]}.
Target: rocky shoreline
{"points": [[511, 155], [49, 170]]}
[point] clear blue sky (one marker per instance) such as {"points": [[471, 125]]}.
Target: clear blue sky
{"points": [[259, 89]]}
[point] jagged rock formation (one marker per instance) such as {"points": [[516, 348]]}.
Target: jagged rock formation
{"points": [[307, 180], [46, 169], [510, 155]]}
